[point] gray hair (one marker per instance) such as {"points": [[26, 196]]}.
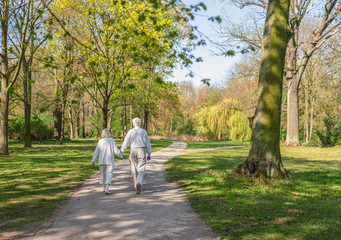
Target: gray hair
{"points": [[137, 122], [105, 133]]}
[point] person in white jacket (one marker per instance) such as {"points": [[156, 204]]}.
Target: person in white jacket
{"points": [[138, 140], [105, 152]]}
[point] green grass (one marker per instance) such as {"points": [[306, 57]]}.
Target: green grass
{"points": [[34, 181], [197, 145], [305, 206]]}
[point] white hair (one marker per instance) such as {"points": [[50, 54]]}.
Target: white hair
{"points": [[105, 133], [136, 122]]}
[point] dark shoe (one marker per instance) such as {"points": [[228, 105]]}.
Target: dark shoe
{"points": [[138, 188]]}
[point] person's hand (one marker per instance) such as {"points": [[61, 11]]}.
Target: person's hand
{"points": [[148, 158], [93, 164]]}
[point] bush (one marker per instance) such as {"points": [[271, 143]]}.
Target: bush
{"points": [[185, 129], [40, 129], [330, 132]]}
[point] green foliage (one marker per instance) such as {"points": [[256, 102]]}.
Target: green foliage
{"points": [[41, 127], [95, 125], [223, 121], [186, 129], [330, 132]]}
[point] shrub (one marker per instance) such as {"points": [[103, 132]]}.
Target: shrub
{"points": [[40, 127]]}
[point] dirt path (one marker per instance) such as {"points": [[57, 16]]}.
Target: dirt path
{"points": [[161, 211]]}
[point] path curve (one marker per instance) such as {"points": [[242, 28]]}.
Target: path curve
{"points": [[161, 211]]}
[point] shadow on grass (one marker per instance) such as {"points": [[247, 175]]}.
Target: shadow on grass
{"points": [[305, 206]]}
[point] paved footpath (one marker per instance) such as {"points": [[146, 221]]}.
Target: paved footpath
{"points": [[161, 211]]}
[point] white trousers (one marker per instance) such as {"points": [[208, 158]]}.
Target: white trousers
{"points": [[137, 158], [106, 173]]}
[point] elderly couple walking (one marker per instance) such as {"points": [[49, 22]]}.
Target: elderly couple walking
{"points": [[138, 141]]}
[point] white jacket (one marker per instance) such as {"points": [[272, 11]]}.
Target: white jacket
{"points": [[137, 138], [105, 151]]}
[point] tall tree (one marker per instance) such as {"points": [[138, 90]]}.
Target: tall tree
{"points": [[13, 50], [295, 69], [264, 160]]}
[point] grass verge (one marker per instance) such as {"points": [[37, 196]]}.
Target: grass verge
{"points": [[305, 206], [197, 145], [34, 181]]}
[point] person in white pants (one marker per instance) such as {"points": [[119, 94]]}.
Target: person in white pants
{"points": [[138, 140], [105, 152]]}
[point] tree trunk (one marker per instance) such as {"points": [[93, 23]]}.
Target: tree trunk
{"points": [[306, 114], [105, 115], [292, 138], [131, 116], [82, 117], [4, 83], [71, 124], [124, 120], [145, 121], [312, 117], [264, 160], [27, 72], [4, 118]]}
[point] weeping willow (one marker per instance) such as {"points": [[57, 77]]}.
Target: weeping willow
{"points": [[226, 121]]}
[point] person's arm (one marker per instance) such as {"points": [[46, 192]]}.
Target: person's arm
{"points": [[148, 146], [96, 153], [126, 143], [117, 151]]}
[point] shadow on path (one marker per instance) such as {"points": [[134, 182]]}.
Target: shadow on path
{"points": [[161, 211]]}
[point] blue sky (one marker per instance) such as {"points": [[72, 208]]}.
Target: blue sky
{"points": [[212, 67]]}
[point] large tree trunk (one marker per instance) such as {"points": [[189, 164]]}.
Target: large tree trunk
{"points": [[4, 118], [264, 160], [105, 115], [292, 138]]}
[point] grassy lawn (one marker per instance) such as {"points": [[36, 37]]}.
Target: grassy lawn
{"points": [[197, 145], [305, 206], [33, 182]]}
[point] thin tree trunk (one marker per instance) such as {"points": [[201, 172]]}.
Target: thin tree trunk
{"points": [[146, 118], [71, 124], [124, 119], [264, 160], [82, 117], [131, 116], [312, 117], [27, 76], [306, 114]]}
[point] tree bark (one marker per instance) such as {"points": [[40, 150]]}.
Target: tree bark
{"points": [[306, 113], [27, 85], [124, 119], [105, 115], [264, 160], [292, 138], [71, 123], [145, 119], [4, 83], [82, 117]]}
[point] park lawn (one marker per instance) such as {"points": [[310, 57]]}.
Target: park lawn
{"points": [[305, 206], [34, 181], [197, 145]]}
